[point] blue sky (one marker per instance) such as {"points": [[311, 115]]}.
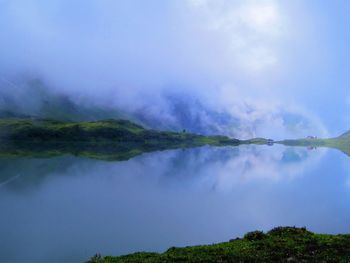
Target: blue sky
{"points": [[266, 55]]}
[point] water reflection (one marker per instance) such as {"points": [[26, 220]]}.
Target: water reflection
{"points": [[65, 209]]}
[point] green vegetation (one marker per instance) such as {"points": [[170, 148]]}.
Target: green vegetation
{"points": [[38, 130], [106, 139], [341, 143], [281, 244]]}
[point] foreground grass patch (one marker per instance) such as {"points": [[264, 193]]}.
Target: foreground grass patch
{"points": [[281, 244]]}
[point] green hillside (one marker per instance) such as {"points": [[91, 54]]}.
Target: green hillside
{"points": [[282, 244], [106, 139], [38, 130]]}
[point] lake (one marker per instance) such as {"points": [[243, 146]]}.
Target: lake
{"points": [[66, 208]]}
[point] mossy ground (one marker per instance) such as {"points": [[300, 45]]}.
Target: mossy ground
{"points": [[282, 244]]}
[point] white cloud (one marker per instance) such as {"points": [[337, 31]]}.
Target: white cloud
{"points": [[127, 54], [251, 29]]}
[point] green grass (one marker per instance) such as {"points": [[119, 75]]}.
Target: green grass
{"points": [[282, 244]]}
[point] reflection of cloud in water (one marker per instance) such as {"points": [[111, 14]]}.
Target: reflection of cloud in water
{"points": [[220, 168], [165, 199], [256, 163], [215, 168], [227, 167]]}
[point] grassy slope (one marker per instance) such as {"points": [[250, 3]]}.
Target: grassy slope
{"points": [[287, 244], [107, 139], [341, 143], [35, 130]]}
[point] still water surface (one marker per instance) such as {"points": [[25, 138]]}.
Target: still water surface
{"points": [[66, 209]]}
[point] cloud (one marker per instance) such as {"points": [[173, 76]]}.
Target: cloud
{"points": [[250, 29], [224, 55]]}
